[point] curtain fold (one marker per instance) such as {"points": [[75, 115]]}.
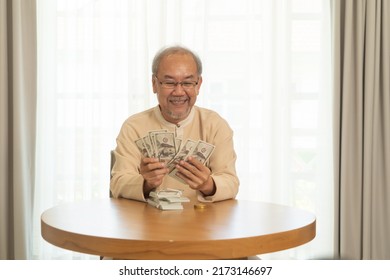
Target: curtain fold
{"points": [[18, 65], [4, 167], [362, 128]]}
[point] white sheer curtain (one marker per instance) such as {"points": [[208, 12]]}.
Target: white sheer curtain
{"points": [[266, 70]]}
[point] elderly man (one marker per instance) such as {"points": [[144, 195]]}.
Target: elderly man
{"points": [[176, 80]]}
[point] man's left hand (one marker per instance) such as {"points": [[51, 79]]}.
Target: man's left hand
{"points": [[196, 175]]}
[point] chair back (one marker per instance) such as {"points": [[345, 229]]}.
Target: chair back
{"points": [[112, 161]]}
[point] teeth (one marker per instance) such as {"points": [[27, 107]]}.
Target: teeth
{"points": [[178, 101]]}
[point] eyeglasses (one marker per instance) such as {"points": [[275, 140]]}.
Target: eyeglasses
{"points": [[172, 84]]}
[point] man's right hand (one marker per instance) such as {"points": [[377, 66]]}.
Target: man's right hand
{"points": [[153, 172]]}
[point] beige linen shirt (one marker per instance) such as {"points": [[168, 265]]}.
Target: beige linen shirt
{"points": [[201, 124]]}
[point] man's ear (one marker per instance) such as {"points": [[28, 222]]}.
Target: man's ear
{"points": [[154, 84], [199, 84]]}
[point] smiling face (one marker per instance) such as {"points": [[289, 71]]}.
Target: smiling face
{"points": [[176, 103]]}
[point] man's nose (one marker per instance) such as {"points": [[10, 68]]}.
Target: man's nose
{"points": [[178, 90]]}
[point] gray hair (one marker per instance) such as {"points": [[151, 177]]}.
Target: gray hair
{"points": [[173, 50]]}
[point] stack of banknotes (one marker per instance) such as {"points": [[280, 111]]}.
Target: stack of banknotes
{"points": [[167, 148], [167, 199]]}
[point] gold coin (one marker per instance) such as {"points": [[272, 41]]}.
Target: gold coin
{"points": [[200, 206]]}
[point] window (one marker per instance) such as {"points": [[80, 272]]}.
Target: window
{"points": [[266, 70]]}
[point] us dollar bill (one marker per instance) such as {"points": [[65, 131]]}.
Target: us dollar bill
{"points": [[148, 145], [187, 148], [178, 142], [142, 147], [165, 146], [202, 151], [152, 141]]}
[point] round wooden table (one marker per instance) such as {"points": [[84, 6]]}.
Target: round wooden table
{"points": [[127, 229]]}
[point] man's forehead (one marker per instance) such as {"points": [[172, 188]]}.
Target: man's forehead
{"points": [[178, 61]]}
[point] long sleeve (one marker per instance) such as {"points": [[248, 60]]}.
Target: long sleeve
{"points": [[126, 180]]}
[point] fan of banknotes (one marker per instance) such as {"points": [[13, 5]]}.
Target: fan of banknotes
{"points": [[167, 148]]}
